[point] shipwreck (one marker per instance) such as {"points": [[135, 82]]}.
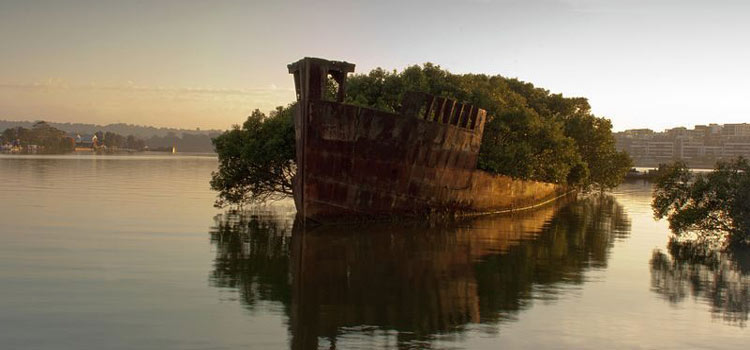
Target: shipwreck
{"points": [[360, 163]]}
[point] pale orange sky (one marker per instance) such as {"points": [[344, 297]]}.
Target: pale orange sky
{"points": [[208, 64]]}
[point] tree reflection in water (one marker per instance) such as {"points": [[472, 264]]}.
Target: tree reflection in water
{"points": [[719, 279], [408, 284], [252, 255]]}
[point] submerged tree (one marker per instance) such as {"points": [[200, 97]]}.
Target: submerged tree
{"points": [[715, 205], [256, 161]]}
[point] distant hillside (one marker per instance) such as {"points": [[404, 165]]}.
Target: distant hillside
{"points": [[183, 139], [140, 131]]}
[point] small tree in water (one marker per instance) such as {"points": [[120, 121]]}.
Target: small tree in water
{"points": [[256, 161], [716, 205]]}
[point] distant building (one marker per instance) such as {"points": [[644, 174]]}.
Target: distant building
{"points": [[703, 144], [735, 149], [738, 130], [86, 142]]}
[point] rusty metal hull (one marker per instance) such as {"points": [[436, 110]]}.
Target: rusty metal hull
{"points": [[360, 163]]}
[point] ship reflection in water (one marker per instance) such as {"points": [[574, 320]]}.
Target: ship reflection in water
{"points": [[720, 279], [408, 284]]}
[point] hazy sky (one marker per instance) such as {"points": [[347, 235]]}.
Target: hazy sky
{"points": [[207, 64]]}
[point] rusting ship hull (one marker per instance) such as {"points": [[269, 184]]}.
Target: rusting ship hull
{"points": [[360, 163]]}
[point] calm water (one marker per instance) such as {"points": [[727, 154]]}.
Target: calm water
{"points": [[128, 253]]}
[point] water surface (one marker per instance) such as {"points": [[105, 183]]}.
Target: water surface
{"points": [[127, 252]]}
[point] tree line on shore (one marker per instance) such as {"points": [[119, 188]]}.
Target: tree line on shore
{"points": [[530, 133], [44, 138], [144, 132], [42, 135]]}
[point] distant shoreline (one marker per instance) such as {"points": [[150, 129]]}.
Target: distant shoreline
{"points": [[124, 136], [144, 131], [105, 155]]}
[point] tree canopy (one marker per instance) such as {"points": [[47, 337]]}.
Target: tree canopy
{"points": [[51, 140], [530, 133], [715, 205], [257, 160]]}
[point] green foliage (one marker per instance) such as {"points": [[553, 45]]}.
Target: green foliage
{"points": [[256, 161], [115, 141], [715, 205], [596, 146], [132, 142], [507, 147], [53, 140], [49, 139], [531, 134]]}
